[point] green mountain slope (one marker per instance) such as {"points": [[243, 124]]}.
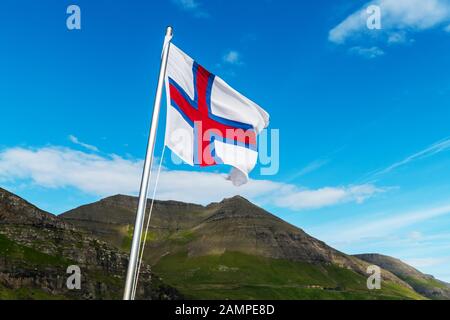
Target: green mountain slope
{"points": [[36, 248], [422, 283], [234, 249], [234, 275]]}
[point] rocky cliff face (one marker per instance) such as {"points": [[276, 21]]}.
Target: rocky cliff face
{"points": [[36, 249], [15, 210]]}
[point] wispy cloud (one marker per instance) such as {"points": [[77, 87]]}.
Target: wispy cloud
{"points": [[294, 198], [431, 150], [382, 226], [310, 167], [58, 167], [76, 141], [232, 57], [398, 17], [369, 53], [398, 37], [427, 262], [192, 6], [187, 4]]}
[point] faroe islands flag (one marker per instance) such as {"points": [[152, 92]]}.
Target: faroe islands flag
{"points": [[208, 122]]}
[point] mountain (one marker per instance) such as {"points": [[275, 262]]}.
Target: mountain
{"points": [[227, 250], [235, 250], [424, 284], [37, 247]]}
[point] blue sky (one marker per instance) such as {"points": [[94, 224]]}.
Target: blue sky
{"points": [[363, 114]]}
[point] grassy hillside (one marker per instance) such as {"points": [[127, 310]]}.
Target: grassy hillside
{"points": [[235, 275], [422, 283]]}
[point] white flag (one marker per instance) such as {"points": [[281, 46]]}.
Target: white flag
{"points": [[208, 122]]}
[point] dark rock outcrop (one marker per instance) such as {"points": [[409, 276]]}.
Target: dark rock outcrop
{"points": [[36, 249]]}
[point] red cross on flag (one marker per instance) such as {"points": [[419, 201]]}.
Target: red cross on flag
{"points": [[208, 122]]}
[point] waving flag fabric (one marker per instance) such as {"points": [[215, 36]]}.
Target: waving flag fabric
{"points": [[208, 122]]}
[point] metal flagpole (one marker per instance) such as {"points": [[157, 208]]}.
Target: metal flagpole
{"points": [[134, 254]]}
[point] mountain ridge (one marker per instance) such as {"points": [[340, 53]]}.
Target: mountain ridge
{"points": [[224, 250], [189, 232]]}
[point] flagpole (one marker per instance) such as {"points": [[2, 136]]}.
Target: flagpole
{"points": [[137, 234]]}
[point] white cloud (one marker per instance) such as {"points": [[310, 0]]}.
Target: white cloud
{"points": [[415, 235], [396, 15], [232, 57], [398, 37], [192, 6], [57, 167], [368, 53], [75, 140], [187, 4], [294, 198]]}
